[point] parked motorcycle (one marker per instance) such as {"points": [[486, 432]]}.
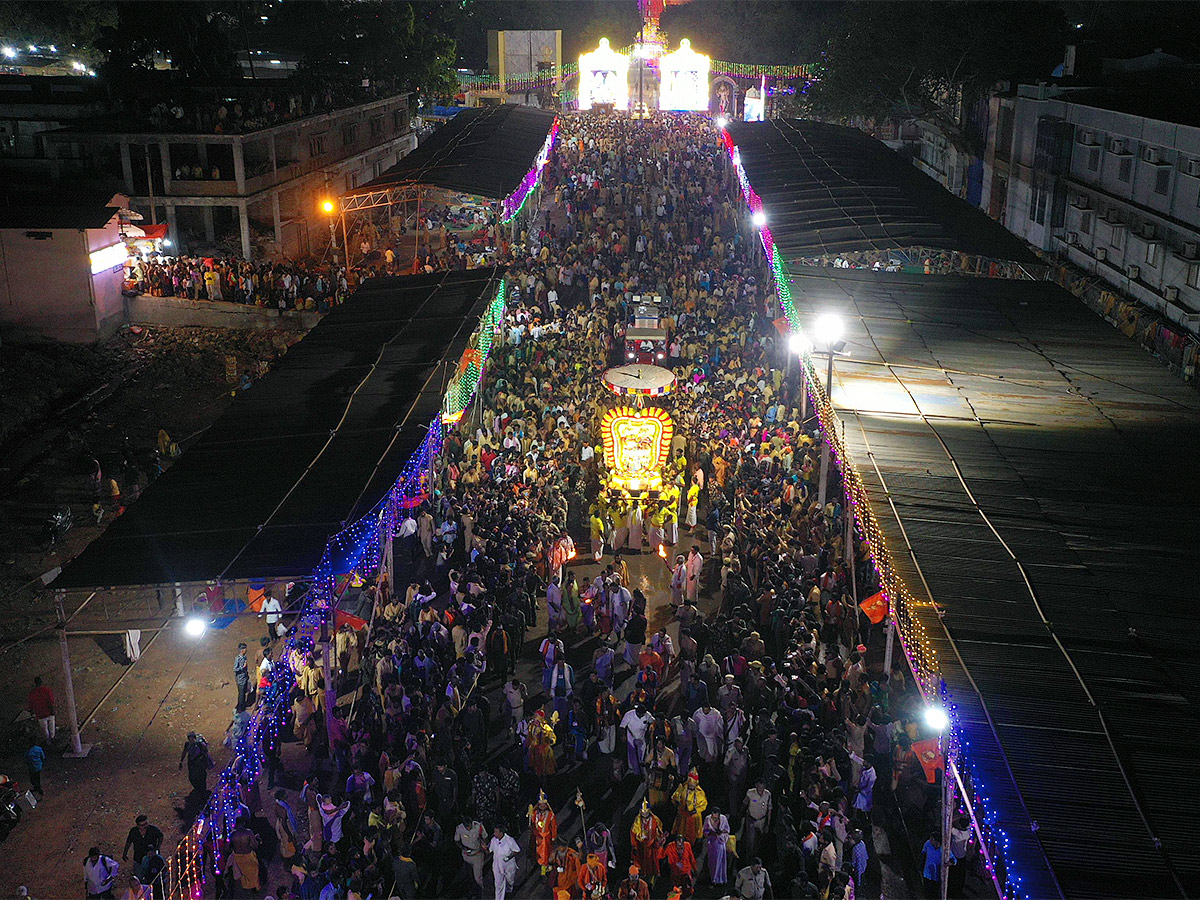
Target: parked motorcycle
{"points": [[14, 799]]}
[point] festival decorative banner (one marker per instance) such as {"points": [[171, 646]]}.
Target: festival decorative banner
{"points": [[929, 754], [876, 607]]}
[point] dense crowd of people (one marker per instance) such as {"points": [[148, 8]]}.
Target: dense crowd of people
{"points": [[271, 285], [720, 734]]}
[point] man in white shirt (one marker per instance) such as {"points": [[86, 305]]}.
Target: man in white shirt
{"points": [[272, 609], [99, 874], [505, 853], [636, 722]]}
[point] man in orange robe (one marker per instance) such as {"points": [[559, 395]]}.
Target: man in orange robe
{"points": [[543, 829], [645, 841]]}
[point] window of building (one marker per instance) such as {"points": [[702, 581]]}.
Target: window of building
{"points": [[1117, 238], [317, 146], [349, 133], [1085, 222], [376, 126], [1152, 255], [1162, 178], [1093, 162], [400, 119], [1193, 275], [1125, 172]]}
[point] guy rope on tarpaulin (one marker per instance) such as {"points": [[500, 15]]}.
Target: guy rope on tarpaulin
{"points": [[357, 546], [915, 641]]}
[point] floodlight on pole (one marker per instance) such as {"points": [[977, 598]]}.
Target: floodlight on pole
{"points": [[937, 719], [800, 345], [327, 206], [721, 123], [195, 627], [828, 328]]}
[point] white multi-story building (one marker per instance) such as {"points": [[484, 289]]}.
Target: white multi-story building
{"points": [[1111, 180], [262, 187]]}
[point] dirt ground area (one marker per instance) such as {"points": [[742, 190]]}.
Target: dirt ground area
{"points": [[60, 408]]}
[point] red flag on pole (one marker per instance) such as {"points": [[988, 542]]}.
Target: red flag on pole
{"points": [[782, 325], [876, 607], [341, 618], [930, 755]]}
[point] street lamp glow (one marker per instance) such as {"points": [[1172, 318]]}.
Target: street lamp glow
{"points": [[327, 206], [800, 345], [828, 328], [9, 52], [722, 122], [759, 219], [195, 627], [936, 718]]}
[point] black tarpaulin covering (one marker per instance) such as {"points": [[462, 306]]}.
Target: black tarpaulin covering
{"points": [[486, 151], [1034, 472], [311, 446], [829, 190]]}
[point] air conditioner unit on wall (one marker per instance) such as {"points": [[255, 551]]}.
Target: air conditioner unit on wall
{"points": [[1133, 272], [1193, 168], [1171, 294], [1147, 231], [1087, 137], [1190, 249], [1079, 201], [1072, 237], [1116, 145], [1101, 253]]}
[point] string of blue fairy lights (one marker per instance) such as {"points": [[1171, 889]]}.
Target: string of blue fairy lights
{"points": [[359, 545]]}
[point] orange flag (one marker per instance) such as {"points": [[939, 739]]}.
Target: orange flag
{"points": [[930, 755], [876, 608]]}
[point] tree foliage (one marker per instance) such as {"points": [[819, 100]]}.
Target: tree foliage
{"points": [[200, 38], [922, 60], [68, 24], [400, 46], [776, 32]]}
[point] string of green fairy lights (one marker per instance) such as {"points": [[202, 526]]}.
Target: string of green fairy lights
{"points": [[915, 640], [466, 382]]}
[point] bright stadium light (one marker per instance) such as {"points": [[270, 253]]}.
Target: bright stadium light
{"points": [[828, 329], [799, 345], [195, 627], [936, 718], [759, 219]]}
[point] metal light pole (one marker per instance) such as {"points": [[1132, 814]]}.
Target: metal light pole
{"points": [[937, 719], [828, 328], [78, 749], [327, 208], [327, 641], [800, 346]]}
